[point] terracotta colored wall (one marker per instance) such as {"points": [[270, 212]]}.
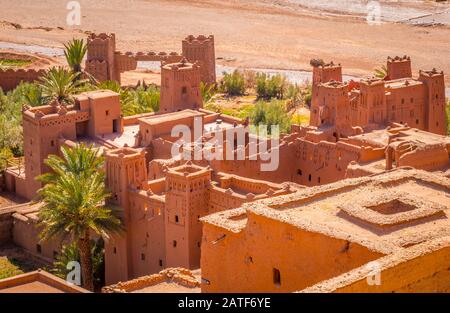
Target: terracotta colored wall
{"points": [[434, 108], [399, 67], [201, 49], [147, 235], [424, 272], [245, 261], [180, 87], [26, 235], [186, 201], [6, 225], [10, 79]]}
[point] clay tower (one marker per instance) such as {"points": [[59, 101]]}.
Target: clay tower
{"points": [[100, 61], [201, 49], [435, 121], [186, 201], [180, 87], [399, 67]]}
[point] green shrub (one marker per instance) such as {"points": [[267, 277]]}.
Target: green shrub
{"points": [[271, 113], [143, 99], [268, 87], [447, 112], [233, 84], [208, 91], [70, 253], [6, 155]]}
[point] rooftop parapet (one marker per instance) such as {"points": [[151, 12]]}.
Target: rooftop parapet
{"points": [[334, 85], [320, 63], [433, 73], [124, 153], [399, 59], [101, 37], [201, 39], [181, 66]]}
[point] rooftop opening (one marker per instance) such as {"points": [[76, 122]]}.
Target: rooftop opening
{"points": [[392, 207]]}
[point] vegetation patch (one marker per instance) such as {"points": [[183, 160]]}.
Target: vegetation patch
{"points": [[8, 268], [447, 113], [11, 63]]}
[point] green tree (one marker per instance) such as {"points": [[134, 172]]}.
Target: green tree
{"points": [[271, 113], [5, 156], [73, 199], [75, 51], [233, 84], [59, 85]]}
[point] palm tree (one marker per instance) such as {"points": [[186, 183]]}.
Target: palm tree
{"points": [[75, 52], [59, 85], [73, 199], [70, 253]]}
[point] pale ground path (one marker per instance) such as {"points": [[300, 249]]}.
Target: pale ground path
{"points": [[249, 34]]}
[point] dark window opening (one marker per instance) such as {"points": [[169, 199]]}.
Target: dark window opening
{"points": [[417, 121], [184, 90], [115, 126], [318, 180], [276, 277], [38, 248], [115, 250], [174, 243], [198, 244], [176, 219], [107, 112], [143, 257], [52, 143], [310, 177], [160, 263], [299, 172]]}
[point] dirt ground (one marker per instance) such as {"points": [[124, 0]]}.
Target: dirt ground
{"points": [[261, 34]]}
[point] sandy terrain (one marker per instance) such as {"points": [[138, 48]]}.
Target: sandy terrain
{"points": [[262, 34]]}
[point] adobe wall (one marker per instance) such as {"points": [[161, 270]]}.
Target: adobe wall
{"points": [[201, 49], [26, 234], [251, 168], [147, 233], [245, 261], [10, 78], [428, 158], [179, 276], [6, 225], [323, 162], [180, 87], [399, 67], [406, 105], [186, 202], [423, 267]]}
